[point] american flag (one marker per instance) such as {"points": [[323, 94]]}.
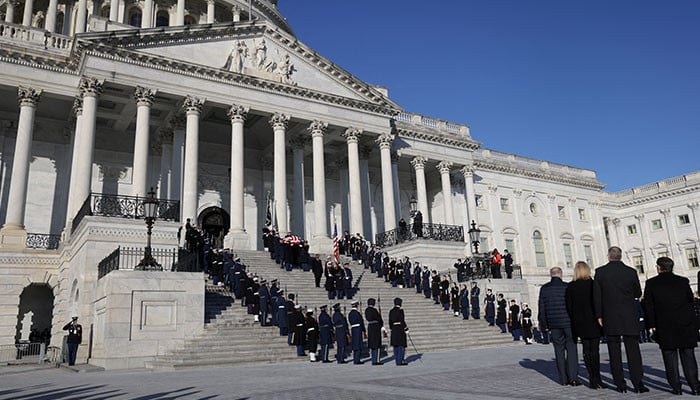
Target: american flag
{"points": [[336, 243]]}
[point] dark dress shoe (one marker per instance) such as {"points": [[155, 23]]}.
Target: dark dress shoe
{"points": [[640, 389], [342, 362], [403, 363], [621, 389], [601, 385], [695, 392], [677, 392], [359, 363], [574, 383], [378, 363]]}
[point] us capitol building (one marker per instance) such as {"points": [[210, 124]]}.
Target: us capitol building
{"points": [[227, 114]]}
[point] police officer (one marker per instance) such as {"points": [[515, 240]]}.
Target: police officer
{"points": [[397, 323], [357, 332], [375, 324], [325, 328], [75, 337], [340, 324]]}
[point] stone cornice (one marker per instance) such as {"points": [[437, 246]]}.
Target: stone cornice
{"points": [[540, 175], [611, 202], [439, 138]]}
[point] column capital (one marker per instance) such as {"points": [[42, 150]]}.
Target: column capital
{"points": [[91, 87], [517, 192], [279, 121], [298, 142], [418, 162], [444, 167], [467, 171], [665, 212], [193, 104], [28, 96], [693, 206], [178, 120], [385, 140], [77, 108], [238, 113], [317, 128], [365, 151], [144, 96], [639, 217], [210, 2], [352, 135], [166, 135]]}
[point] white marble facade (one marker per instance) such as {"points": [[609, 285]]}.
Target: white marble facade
{"points": [[221, 115]]}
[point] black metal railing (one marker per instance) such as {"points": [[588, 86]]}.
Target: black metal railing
{"points": [[42, 241], [128, 258], [111, 205], [479, 267], [442, 232]]}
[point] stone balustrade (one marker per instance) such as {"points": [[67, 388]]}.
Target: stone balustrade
{"points": [[34, 36]]}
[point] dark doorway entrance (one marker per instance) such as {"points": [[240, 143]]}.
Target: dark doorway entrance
{"points": [[215, 223], [35, 313]]}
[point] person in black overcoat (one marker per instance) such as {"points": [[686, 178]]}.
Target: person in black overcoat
{"points": [[579, 304], [668, 306], [615, 290], [501, 313], [312, 334], [317, 269], [397, 323], [374, 331], [297, 325]]}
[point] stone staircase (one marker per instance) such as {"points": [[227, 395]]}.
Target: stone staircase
{"points": [[232, 337]]}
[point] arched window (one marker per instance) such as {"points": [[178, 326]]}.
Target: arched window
{"points": [[104, 11], [162, 18], [189, 20], [538, 243], [135, 17]]}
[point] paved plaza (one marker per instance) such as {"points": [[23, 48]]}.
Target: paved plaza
{"points": [[512, 372]]}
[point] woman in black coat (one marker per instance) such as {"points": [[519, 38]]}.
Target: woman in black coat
{"points": [[501, 313], [579, 304]]}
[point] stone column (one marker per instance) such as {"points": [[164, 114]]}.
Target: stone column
{"points": [[28, 8], [166, 161], [237, 237], [298, 220], [180, 13], [236, 10], [321, 242], [365, 151], [444, 168], [81, 16], [10, 11], [352, 135], [384, 142], [418, 164], [395, 184], [177, 122], [13, 234], [468, 172], [147, 14], [210, 11], [51, 16], [144, 100], [73, 201], [279, 125], [190, 194], [113, 10]]}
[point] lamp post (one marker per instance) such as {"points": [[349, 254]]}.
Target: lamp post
{"points": [[474, 233], [150, 209]]}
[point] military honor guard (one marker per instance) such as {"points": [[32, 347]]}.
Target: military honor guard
{"points": [[347, 281], [274, 295], [397, 323], [75, 337], [340, 325], [325, 328], [375, 325], [263, 298], [357, 332], [312, 334], [281, 310], [298, 329]]}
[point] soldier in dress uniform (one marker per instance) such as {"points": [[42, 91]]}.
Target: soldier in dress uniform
{"points": [[289, 308], [408, 272], [357, 332], [339, 275], [375, 324], [281, 310], [311, 334], [490, 301], [325, 328], [75, 337], [328, 272], [397, 323], [274, 294], [426, 282], [417, 275], [347, 276], [263, 298], [435, 286], [475, 292], [298, 328], [340, 325], [256, 298]]}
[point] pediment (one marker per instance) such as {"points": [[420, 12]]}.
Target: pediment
{"points": [[252, 51]]}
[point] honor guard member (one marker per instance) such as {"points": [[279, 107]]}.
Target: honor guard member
{"points": [[274, 294], [475, 292], [347, 275], [490, 307], [264, 296], [325, 328], [75, 337], [375, 324], [426, 282], [298, 328], [238, 275], [397, 323], [417, 271], [256, 298], [289, 306], [281, 310], [340, 325], [357, 332], [311, 334]]}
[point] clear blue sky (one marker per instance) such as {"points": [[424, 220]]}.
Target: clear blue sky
{"points": [[608, 85]]}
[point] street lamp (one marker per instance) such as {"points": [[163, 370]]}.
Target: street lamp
{"points": [[413, 204], [150, 209], [474, 234]]}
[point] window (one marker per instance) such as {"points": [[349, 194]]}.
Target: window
{"points": [[632, 229], [638, 263], [505, 206], [533, 208], [538, 243], [582, 214], [562, 211], [683, 219], [510, 245], [484, 240], [479, 201], [588, 253], [162, 19], [568, 257], [692, 255], [656, 225], [135, 17], [189, 20]]}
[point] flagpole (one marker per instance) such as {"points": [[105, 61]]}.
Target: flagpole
{"points": [[250, 10]]}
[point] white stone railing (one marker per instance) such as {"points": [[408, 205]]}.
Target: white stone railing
{"points": [[658, 187], [34, 36], [421, 120], [533, 164]]}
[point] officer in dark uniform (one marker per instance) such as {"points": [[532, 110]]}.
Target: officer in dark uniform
{"points": [[325, 328], [426, 282], [375, 324], [264, 298], [274, 294], [297, 326], [75, 337], [347, 276], [397, 323], [289, 306], [281, 310], [311, 334], [357, 332], [340, 324]]}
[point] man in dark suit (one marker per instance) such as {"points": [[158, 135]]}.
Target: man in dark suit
{"points": [[614, 293], [668, 307]]}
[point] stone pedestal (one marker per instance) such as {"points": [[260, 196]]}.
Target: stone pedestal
{"points": [[237, 240], [322, 245], [13, 237]]}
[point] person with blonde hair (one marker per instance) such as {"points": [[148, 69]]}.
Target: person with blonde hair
{"points": [[579, 304]]}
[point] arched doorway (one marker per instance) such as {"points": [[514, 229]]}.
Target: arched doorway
{"points": [[35, 313], [215, 223]]}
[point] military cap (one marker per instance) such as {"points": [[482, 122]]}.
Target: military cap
{"points": [[398, 301]]}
